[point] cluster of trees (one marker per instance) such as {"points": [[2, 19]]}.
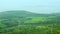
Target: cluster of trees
{"points": [[33, 25]]}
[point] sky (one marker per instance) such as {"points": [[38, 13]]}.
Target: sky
{"points": [[37, 6]]}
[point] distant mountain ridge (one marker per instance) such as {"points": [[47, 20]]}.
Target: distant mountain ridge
{"points": [[16, 13], [22, 13]]}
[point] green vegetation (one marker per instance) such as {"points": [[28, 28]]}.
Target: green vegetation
{"points": [[24, 22]]}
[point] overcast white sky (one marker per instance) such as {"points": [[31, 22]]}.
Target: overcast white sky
{"points": [[40, 6]]}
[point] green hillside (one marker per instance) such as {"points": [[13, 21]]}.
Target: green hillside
{"points": [[24, 22]]}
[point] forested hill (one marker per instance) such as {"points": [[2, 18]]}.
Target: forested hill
{"points": [[22, 13], [16, 14]]}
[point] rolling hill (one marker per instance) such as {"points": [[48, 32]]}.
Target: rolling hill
{"points": [[22, 13]]}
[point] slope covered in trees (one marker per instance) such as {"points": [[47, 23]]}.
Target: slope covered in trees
{"points": [[24, 22]]}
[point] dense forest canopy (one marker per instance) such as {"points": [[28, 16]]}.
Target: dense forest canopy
{"points": [[24, 22]]}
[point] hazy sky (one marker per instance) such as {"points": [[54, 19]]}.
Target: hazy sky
{"points": [[40, 6]]}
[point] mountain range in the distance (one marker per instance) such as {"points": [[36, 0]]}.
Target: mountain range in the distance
{"points": [[23, 12]]}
